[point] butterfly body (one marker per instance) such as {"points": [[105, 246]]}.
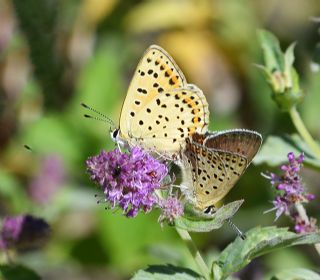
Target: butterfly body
{"points": [[212, 163], [161, 109]]}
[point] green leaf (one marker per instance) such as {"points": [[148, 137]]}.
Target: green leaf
{"points": [[289, 57], [275, 149], [17, 272], [259, 241], [296, 274], [166, 272], [295, 85], [273, 56], [291, 74], [205, 223]]}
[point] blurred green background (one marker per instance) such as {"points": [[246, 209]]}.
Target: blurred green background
{"points": [[56, 54]]}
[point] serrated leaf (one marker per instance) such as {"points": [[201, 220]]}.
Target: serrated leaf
{"points": [[14, 272], [296, 274], [166, 272], [275, 149], [259, 241], [206, 223], [273, 56]]}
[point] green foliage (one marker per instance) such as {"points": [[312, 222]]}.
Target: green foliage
{"points": [[296, 273], [166, 272], [273, 56], [237, 255], [279, 71], [17, 272], [57, 54], [275, 149], [127, 249], [199, 222], [259, 241]]}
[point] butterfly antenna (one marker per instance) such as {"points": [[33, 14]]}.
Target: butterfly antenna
{"points": [[236, 229], [104, 117], [94, 118]]}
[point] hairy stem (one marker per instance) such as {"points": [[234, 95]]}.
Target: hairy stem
{"points": [[303, 214], [303, 131], [185, 236]]}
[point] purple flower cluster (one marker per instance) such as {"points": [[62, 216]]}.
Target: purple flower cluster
{"points": [[129, 180], [23, 232], [171, 209], [302, 226], [291, 192], [289, 185]]}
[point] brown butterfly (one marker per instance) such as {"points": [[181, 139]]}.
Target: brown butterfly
{"points": [[212, 163]]}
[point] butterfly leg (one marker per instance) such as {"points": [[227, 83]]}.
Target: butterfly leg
{"points": [[169, 184], [236, 229]]}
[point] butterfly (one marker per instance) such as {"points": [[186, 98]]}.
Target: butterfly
{"points": [[212, 163], [161, 109]]}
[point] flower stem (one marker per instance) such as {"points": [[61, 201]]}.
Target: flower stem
{"points": [[304, 133], [185, 236], [303, 214]]}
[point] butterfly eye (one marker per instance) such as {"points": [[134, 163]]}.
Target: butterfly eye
{"points": [[114, 134], [210, 210]]}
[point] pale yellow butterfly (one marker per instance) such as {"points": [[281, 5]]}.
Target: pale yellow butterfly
{"points": [[161, 109], [212, 163]]}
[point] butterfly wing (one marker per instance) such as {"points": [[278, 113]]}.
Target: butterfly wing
{"points": [[160, 108], [210, 174], [167, 120], [156, 72], [236, 141]]}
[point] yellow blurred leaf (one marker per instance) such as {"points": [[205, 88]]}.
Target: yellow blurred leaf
{"points": [[93, 11], [155, 14]]}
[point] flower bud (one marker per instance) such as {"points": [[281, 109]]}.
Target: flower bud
{"points": [[279, 72]]}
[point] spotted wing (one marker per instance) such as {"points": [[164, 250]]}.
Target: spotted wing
{"points": [[164, 122], [213, 173], [156, 74], [236, 141]]}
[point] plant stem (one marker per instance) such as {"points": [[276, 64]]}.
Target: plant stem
{"points": [[185, 236], [304, 133], [303, 214]]}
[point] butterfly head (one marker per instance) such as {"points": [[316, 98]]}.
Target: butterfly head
{"points": [[114, 133], [117, 138], [210, 210]]}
